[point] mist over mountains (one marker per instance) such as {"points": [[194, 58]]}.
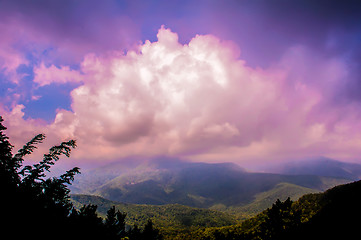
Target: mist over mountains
{"points": [[222, 186], [320, 166]]}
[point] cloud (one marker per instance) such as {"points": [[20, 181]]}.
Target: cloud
{"points": [[10, 59], [201, 101], [62, 33], [48, 75]]}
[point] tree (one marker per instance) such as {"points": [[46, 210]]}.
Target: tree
{"points": [[29, 199], [34, 206], [135, 233], [115, 223], [280, 219], [150, 233]]}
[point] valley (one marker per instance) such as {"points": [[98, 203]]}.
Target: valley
{"points": [[224, 187], [202, 201]]}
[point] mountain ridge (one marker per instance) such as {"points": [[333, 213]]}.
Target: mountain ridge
{"points": [[223, 186], [320, 166]]}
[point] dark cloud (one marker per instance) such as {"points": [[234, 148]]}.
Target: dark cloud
{"points": [[266, 29], [313, 22], [71, 28]]}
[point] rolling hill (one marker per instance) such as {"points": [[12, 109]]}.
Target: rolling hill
{"points": [[265, 199], [225, 186], [333, 214], [170, 218]]}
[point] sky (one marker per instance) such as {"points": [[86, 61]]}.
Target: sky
{"points": [[213, 81]]}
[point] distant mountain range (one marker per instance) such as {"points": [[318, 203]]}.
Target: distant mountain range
{"points": [[224, 186], [318, 166], [332, 214]]}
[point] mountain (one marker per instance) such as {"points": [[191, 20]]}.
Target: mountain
{"points": [[333, 214], [318, 166], [223, 186], [92, 178]]}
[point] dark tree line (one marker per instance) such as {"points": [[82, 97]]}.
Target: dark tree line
{"points": [[34, 206]]}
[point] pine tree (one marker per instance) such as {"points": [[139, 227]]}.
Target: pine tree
{"points": [[280, 219], [135, 233], [150, 233], [115, 223]]}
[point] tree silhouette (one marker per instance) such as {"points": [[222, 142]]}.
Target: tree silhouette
{"points": [[150, 233], [35, 206], [280, 219], [27, 195], [115, 223], [135, 233]]}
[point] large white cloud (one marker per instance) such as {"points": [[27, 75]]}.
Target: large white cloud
{"points": [[200, 101]]}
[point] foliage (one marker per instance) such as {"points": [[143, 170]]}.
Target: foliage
{"points": [[279, 219], [115, 223], [333, 214], [172, 219], [265, 200], [27, 194], [337, 217], [36, 206]]}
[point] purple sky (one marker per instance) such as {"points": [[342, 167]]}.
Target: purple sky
{"points": [[203, 80]]}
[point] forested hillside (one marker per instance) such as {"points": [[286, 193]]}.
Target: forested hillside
{"points": [[225, 187], [333, 214], [170, 219]]}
